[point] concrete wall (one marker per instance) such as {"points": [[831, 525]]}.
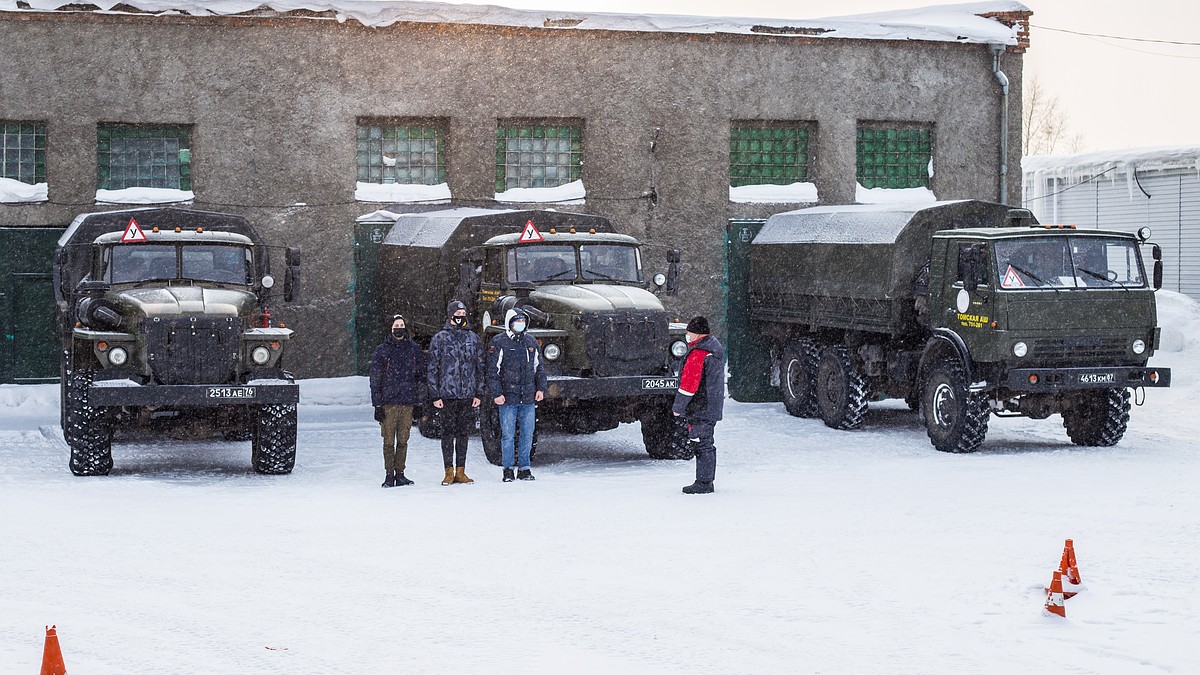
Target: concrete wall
{"points": [[275, 103]]}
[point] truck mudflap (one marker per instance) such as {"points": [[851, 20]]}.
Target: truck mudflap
{"points": [[1066, 379], [254, 392], [561, 386]]}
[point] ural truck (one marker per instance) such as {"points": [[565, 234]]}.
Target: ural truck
{"points": [[962, 309], [610, 352], [165, 326]]}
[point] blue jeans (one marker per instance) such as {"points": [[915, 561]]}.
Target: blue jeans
{"points": [[510, 415]]}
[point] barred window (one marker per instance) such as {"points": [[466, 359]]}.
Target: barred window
{"points": [[144, 155], [23, 151], [535, 156], [893, 157], [401, 153], [768, 153]]}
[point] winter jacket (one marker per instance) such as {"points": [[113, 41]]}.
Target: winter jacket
{"points": [[455, 364], [701, 394], [514, 366], [397, 373]]}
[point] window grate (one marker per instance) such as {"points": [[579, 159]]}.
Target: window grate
{"points": [[23, 151], [538, 156], [768, 154], [144, 155], [409, 154], [893, 158]]}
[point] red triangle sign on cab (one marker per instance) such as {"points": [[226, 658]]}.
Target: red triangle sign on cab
{"points": [[529, 234], [133, 233]]}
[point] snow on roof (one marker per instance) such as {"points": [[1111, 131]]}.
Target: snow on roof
{"points": [[850, 224], [945, 23], [1092, 163], [430, 229]]}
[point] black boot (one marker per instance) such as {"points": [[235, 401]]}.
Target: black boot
{"points": [[508, 475], [698, 488], [524, 474], [401, 480], [389, 480]]}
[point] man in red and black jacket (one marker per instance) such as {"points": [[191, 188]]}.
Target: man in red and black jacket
{"points": [[701, 399]]}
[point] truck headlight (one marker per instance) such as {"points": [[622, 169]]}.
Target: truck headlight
{"points": [[1020, 349], [1139, 346], [118, 356], [552, 352], [678, 349], [260, 355]]}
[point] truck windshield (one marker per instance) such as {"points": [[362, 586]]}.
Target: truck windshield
{"points": [[228, 264], [1068, 262], [541, 263], [610, 262]]}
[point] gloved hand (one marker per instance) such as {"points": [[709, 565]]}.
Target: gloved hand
{"points": [[379, 413]]}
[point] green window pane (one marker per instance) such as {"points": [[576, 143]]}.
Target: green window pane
{"points": [[893, 158], [23, 151], [771, 154], [393, 153], [538, 156]]}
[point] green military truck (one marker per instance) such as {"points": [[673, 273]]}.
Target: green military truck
{"points": [[165, 326], [610, 352], [962, 309]]}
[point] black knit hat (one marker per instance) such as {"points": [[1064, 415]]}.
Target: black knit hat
{"points": [[454, 306], [397, 317], [698, 325]]}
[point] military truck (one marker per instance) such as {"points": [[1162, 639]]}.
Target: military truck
{"points": [[610, 352], [166, 326], [962, 309]]}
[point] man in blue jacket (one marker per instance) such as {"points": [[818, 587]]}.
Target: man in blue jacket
{"points": [[700, 400], [397, 377], [516, 382], [455, 385]]}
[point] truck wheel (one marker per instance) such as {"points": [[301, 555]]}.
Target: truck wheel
{"points": [[798, 378], [1098, 418], [841, 391], [663, 435], [956, 418], [273, 447], [86, 428], [427, 422], [489, 432]]}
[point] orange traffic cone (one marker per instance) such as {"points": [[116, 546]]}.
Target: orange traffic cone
{"points": [[1054, 596], [52, 660], [1072, 584]]}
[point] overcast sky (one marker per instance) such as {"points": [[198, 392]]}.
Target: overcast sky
{"points": [[1117, 94]]}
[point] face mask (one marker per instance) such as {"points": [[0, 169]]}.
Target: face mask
{"points": [[518, 327], [400, 333], [459, 321]]}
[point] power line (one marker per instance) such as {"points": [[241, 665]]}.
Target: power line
{"points": [[1118, 37]]}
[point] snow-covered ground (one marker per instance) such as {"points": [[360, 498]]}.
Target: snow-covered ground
{"points": [[821, 552]]}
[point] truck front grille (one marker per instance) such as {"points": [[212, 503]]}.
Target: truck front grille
{"points": [[192, 350], [626, 343], [1080, 351]]}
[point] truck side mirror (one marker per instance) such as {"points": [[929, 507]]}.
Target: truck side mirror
{"points": [[293, 256], [1156, 252], [291, 277], [971, 266], [672, 281]]}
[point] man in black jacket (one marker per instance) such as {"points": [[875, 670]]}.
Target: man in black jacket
{"points": [[701, 400], [516, 382], [397, 376], [455, 384]]}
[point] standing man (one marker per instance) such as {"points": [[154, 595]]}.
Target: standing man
{"points": [[516, 382], [455, 383], [701, 399], [397, 376]]}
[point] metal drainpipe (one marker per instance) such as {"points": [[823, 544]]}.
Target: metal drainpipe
{"points": [[1003, 80]]}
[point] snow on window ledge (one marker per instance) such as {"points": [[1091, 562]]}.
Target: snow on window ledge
{"points": [[144, 195], [401, 193], [919, 195], [570, 193], [16, 192], [774, 194]]}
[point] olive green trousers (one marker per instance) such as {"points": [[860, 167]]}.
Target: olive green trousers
{"points": [[395, 427]]}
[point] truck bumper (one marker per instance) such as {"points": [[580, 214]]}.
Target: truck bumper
{"points": [[255, 392], [1067, 379], [610, 387]]}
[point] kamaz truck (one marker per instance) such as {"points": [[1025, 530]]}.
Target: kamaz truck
{"points": [[166, 327], [963, 309], [610, 351]]}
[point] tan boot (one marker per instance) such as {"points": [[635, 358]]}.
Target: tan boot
{"points": [[449, 476], [460, 475]]}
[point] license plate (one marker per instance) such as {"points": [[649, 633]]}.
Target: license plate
{"points": [[231, 392], [660, 383], [1098, 378]]}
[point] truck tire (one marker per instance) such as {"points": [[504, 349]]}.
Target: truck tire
{"points": [[489, 432], [956, 418], [798, 378], [1098, 418], [663, 435], [87, 429], [273, 447], [428, 422], [841, 391]]}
